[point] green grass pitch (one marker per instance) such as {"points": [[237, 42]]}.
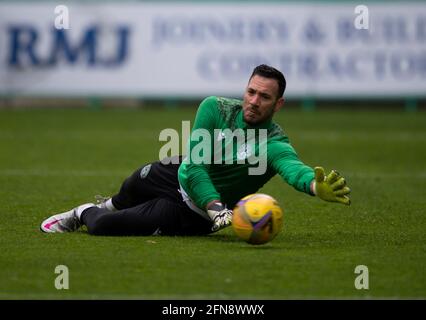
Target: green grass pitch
{"points": [[52, 160]]}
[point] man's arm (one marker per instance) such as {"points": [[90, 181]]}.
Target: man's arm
{"points": [[284, 160], [303, 178]]}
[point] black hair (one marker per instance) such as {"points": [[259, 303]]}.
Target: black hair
{"points": [[270, 72]]}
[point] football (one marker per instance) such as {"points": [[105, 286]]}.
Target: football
{"points": [[257, 218]]}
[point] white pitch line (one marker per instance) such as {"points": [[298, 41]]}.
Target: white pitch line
{"points": [[386, 175], [125, 173], [370, 136], [62, 173]]}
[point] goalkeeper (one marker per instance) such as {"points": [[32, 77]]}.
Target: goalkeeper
{"points": [[182, 196]]}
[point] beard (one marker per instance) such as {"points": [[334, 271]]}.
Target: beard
{"points": [[253, 116]]}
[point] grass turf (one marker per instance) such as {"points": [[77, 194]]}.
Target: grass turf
{"points": [[51, 160]]}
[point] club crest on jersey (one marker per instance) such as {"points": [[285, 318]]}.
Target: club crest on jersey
{"points": [[145, 170]]}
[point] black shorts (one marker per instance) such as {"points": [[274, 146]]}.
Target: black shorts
{"points": [[149, 202]]}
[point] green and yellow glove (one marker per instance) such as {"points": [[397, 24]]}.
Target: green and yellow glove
{"points": [[331, 187]]}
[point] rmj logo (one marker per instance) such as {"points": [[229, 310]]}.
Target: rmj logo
{"points": [[94, 45], [25, 46]]}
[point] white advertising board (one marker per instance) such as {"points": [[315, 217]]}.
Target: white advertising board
{"points": [[192, 49]]}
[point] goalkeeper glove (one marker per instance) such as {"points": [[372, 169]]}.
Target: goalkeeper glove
{"points": [[220, 215], [331, 187]]}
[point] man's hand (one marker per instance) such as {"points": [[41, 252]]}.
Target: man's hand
{"points": [[331, 187], [220, 215]]}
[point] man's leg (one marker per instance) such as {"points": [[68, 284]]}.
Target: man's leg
{"points": [[149, 199], [157, 216], [149, 182]]}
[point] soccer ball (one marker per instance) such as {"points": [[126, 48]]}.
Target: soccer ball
{"points": [[257, 218]]}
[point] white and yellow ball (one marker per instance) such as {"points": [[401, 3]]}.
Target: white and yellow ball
{"points": [[257, 218]]}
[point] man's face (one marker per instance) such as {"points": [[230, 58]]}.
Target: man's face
{"points": [[261, 100]]}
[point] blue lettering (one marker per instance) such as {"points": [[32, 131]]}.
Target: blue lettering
{"points": [[308, 65], [181, 31], [216, 30], [335, 65], [235, 66], [421, 29], [355, 61], [61, 46], [347, 33], [380, 64], [260, 31], [122, 48], [421, 64], [402, 66], [22, 40], [230, 66], [285, 64], [312, 33], [159, 31], [207, 67], [281, 29], [236, 30], [356, 65], [395, 30], [176, 30], [345, 30]]}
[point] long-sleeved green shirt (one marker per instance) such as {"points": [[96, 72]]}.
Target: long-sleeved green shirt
{"points": [[217, 164]]}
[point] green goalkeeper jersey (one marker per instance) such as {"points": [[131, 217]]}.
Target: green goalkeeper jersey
{"points": [[222, 152]]}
